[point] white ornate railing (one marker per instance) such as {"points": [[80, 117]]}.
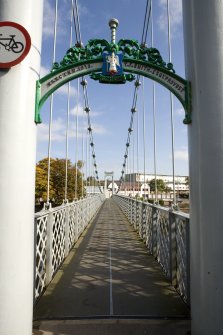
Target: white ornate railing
{"points": [[56, 230], [166, 235]]}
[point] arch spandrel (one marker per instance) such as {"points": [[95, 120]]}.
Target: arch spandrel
{"points": [[128, 57]]}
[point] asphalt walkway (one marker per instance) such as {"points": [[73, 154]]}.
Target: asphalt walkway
{"points": [[110, 285]]}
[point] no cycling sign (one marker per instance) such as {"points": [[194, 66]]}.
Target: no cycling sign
{"points": [[15, 43]]}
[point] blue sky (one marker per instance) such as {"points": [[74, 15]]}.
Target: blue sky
{"points": [[111, 104]]}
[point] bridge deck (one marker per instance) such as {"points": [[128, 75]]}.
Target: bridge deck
{"points": [[109, 284]]}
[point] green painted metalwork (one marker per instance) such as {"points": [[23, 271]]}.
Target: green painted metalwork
{"points": [[137, 59], [129, 48], [112, 79]]}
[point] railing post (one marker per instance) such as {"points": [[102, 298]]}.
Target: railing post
{"points": [[154, 231], [172, 249], [67, 228], [49, 247], [188, 260], [77, 220], [144, 219], [82, 216], [34, 261]]}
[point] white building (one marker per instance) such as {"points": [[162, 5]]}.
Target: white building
{"points": [[181, 182], [131, 189]]}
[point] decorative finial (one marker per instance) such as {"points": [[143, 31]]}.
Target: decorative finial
{"points": [[113, 24]]}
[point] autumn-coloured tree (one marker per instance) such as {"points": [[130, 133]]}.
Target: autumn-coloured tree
{"points": [[57, 180]]}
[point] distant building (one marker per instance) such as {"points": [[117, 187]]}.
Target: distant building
{"points": [[93, 189], [180, 181], [131, 189]]}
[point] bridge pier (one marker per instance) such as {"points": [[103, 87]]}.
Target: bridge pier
{"points": [[203, 23], [17, 173]]}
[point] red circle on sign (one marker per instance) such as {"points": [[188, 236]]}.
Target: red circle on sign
{"points": [[26, 48]]}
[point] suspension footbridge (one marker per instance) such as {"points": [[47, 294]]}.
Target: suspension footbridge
{"points": [[109, 276], [84, 263]]}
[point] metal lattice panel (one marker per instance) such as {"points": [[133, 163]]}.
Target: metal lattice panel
{"points": [[56, 231], [163, 241], [72, 225], [166, 235], [149, 228], [58, 240], [181, 256], [40, 271]]}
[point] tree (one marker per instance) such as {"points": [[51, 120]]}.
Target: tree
{"points": [[41, 181], [80, 164], [91, 181], [160, 184], [187, 180], [57, 180]]}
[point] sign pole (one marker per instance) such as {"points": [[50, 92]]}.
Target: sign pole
{"points": [[17, 172]]}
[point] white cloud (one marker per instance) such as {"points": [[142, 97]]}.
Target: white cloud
{"points": [[78, 109], [82, 113], [58, 132], [99, 129], [44, 71], [64, 90], [48, 19], [175, 9], [180, 111], [181, 154], [83, 11]]}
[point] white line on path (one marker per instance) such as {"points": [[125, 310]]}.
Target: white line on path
{"points": [[110, 267]]}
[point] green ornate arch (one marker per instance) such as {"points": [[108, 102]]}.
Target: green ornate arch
{"points": [[136, 59]]}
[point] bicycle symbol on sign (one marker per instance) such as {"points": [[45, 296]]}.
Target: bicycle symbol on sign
{"points": [[10, 44]]}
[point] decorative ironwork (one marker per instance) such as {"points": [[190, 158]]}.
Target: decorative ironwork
{"points": [[51, 238], [166, 235], [163, 241], [58, 241], [93, 50], [133, 50], [113, 63], [130, 49], [41, 236]]}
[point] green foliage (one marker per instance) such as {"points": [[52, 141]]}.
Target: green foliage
{"points": [[91, 181], [187, 180], [57, 180], [161, 186]]}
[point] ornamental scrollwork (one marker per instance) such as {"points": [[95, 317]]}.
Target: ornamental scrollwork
{"points": [[133, 50], [130, 49]]}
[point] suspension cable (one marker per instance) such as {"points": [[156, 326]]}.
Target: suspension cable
{"points": [[130, 129], [76, 136], [90, 130], [146, 21], [154, 114], [76, 21], [82, 168], [137, 152], [144, 136], [67, 141], [51, 108], [137, 84], [84, 85], [133, 160], [68, 116], [171, 107]]}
